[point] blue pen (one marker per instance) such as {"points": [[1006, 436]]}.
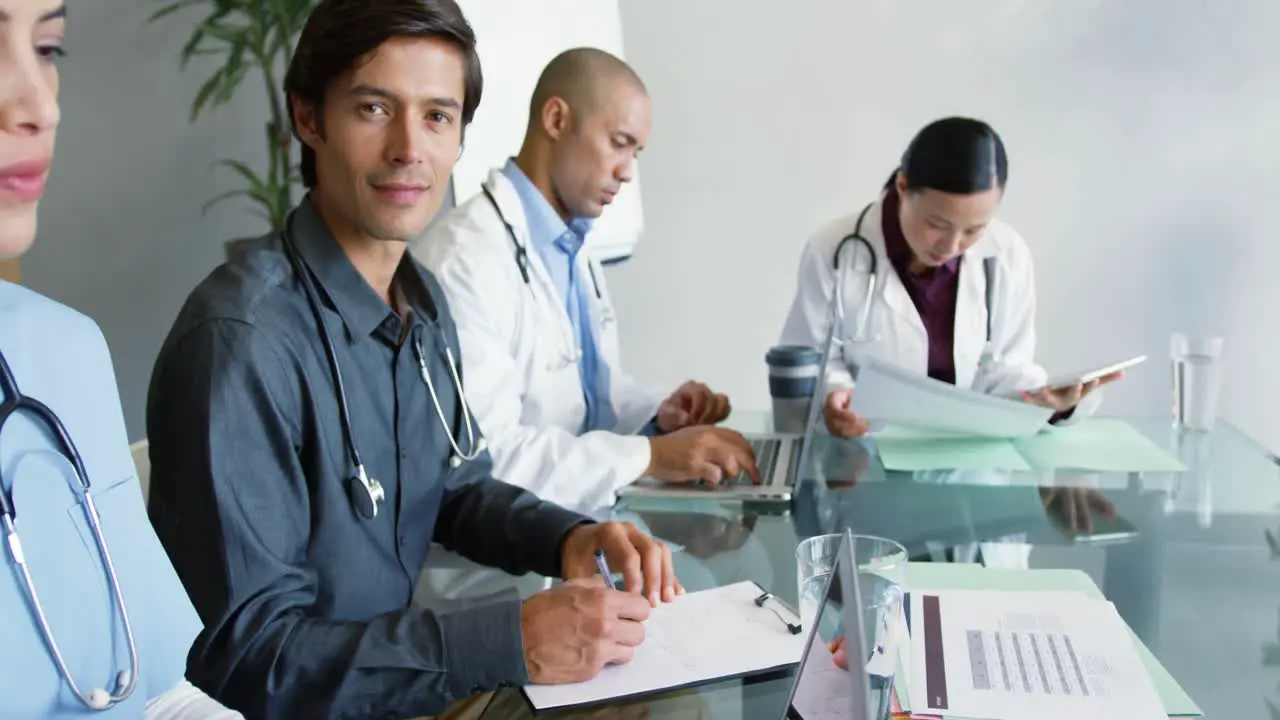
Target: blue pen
{"points": [[604, 570]]}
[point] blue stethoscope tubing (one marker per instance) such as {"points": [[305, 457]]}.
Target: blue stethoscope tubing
{"points": [[126, 680]]}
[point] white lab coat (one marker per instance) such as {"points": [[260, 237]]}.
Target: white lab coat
{"points": [[897, 334], [519, 356]]}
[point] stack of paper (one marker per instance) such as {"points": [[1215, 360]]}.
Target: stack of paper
{"points": [[1004, 655], [887, 394], [1093, 444], [1060, 621], [704, 636]]}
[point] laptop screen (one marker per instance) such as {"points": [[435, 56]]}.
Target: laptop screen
{"points": [[826, 682], [816, 401]]}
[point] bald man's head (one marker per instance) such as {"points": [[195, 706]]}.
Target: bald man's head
{"points": [[588, 119], [584, 78]]}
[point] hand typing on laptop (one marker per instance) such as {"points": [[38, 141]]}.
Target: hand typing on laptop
{"points": [[704, 452]]}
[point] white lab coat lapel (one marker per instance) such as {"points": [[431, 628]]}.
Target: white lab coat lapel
{"points": [[599, 307], [971, 313], [544, 290], [903, 340]]}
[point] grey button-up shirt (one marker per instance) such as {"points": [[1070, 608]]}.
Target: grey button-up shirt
{"points": [[306, 604]]}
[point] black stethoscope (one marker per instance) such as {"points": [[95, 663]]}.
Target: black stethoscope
{"points": [[367, 494], [522, 253], [125, 680], [862, 329]]}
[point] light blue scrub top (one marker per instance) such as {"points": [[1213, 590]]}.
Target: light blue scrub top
{"points": [[59, 357]]}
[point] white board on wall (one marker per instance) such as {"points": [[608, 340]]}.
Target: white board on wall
{"points": [[515, 40]]}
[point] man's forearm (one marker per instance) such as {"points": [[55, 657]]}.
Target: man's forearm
{"points": [[500, 525], [401, 664]]}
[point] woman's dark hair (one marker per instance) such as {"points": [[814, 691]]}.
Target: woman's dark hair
{"points": [[340, 32], [954, 155]]}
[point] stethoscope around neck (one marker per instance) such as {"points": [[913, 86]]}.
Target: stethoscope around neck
{"points": [[862, 333], [367, 494], [126, 680], [522, 263]]}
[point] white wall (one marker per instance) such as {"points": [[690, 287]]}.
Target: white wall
{"points": [[515, 40], [1143, 171]]}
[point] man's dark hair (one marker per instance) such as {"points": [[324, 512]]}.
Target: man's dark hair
{"points": [[340, 32]]}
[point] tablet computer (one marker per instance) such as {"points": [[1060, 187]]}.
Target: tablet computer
{"points": [[1080, 378]]}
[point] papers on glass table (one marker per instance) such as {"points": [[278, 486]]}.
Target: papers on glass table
{"points": [[886, 394], [992, 655], [701, 637], [1091, 444]]}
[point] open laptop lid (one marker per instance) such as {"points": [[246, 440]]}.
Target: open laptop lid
{"points": [[816, 401], [821, 689]]}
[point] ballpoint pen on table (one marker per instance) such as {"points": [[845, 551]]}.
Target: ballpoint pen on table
{"points": [[604, 570]]}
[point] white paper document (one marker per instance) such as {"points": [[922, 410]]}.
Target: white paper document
{"points": [[1003, 655], [700, 637], [887, 394]]}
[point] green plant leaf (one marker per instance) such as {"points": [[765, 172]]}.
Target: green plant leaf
{"points": [[246, 172], [207, 89], [192, 47], [171, 8], [249, 35], [261, 206], [228, 33], [289, 17], [221, 197], [232, 76], [1275, 711]]}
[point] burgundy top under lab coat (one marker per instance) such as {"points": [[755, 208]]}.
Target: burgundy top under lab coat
{"points": [[933, 292]]}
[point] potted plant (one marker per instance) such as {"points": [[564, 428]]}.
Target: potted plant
{"points": [[252, 37]]}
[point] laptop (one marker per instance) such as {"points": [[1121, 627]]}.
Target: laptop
{"points": [[780, 458], [821, 689]]}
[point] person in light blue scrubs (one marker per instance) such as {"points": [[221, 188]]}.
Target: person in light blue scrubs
{"points": [[81, 636]]}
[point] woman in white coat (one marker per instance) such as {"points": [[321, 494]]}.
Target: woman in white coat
{"points": [[955, 288], [96, 623]]}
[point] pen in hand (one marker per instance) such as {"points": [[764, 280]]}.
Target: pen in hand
{"points": [[604, 570]]}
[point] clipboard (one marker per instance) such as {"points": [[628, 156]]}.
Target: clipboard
{"points": [[727, 633]]}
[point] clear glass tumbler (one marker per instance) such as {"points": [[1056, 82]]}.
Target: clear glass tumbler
{"points": [[1197, 379], [881, 566]]}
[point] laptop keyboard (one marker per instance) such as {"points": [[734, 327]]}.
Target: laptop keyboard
{"points": [[766, 451]]}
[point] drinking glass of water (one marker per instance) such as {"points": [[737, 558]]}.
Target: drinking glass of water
{"points": [[881, 566], [1197, 379]]}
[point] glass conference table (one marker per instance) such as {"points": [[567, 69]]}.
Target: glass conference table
{"points": [[1192, 560]]}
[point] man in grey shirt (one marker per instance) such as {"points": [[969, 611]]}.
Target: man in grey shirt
{"points": [[265, 496]]}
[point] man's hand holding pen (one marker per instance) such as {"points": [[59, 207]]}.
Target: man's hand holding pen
{"points": [[573, 631]]}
